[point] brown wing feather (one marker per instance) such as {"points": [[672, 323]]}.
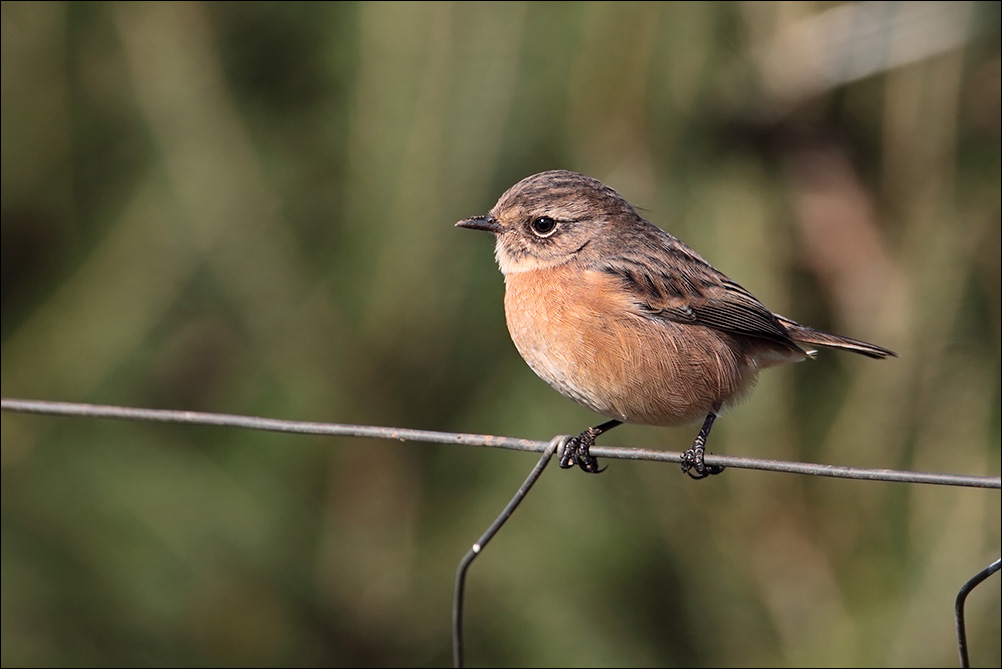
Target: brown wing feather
{"points": [[671, 281]]}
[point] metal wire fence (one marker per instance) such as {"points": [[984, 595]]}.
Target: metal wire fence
{"points": [[548, 449]]}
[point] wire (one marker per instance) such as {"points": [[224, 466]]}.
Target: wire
{"points": [[464, 564], [76, 409], [484, 440], [965, 590]]}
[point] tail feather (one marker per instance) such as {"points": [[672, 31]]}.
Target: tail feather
{"points": [[805, 335]]}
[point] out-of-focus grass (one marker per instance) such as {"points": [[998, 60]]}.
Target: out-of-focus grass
{"points": [[248, 208]]}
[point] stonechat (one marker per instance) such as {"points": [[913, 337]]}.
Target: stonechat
{"points": [[623, 318]]}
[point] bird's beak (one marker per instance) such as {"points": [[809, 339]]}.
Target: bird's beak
{"points": [[486, 223]]}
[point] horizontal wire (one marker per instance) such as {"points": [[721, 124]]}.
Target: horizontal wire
{"points": [[491, 441]]}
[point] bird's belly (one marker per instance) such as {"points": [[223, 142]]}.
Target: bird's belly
{"points": [[580, 332]]}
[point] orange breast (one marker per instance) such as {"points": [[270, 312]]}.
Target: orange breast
{"points": [[581, 332]]}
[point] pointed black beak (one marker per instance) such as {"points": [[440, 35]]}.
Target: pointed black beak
{"points": [[486, 223]]}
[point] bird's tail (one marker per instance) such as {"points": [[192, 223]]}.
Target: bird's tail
{"points": [[805, 335]]}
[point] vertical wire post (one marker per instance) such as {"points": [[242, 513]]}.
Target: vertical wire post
{"points": [[464, 564]]}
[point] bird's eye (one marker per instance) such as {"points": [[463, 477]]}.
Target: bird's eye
{"points": [[543, 226]]}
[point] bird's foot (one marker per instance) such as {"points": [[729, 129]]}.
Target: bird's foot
{"points": [[577, 451], [693, 464]]}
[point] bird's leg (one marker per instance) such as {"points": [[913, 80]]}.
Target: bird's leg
{"points": [[577, 450], [692, 459]]}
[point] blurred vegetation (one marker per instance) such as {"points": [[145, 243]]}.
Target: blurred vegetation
{"points": [[248, 208]]}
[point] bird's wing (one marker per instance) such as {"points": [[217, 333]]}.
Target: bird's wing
{"points": [[671, 281]]}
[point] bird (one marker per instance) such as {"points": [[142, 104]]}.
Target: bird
{"points": [[625, 319]]}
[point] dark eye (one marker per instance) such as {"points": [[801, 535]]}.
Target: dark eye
{"points": [[543, 226]]}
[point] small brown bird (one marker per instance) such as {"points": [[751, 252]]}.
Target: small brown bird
{"points": [[625, 319]]}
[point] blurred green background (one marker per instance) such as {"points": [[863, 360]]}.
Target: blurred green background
{"points": [[249, 208]]}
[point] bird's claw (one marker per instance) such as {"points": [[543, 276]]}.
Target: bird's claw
{"points": [[694, 465], [577, 451]]}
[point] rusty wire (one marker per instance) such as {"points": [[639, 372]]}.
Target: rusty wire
{"points": [[546, 448]]}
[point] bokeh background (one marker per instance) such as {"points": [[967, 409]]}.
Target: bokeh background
{"points": [[249, 208]]}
